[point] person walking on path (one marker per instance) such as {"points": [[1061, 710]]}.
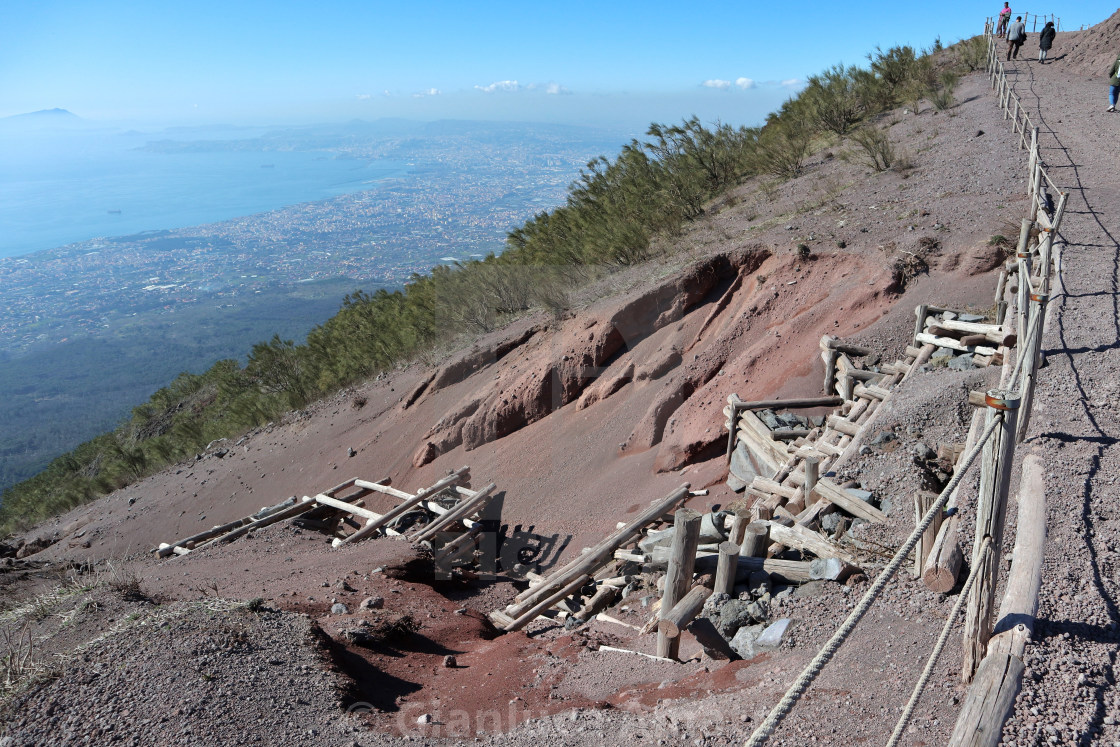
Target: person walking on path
{"points": [[1046, 40], [1114, 84], [1016, 35], [1004, 17]]}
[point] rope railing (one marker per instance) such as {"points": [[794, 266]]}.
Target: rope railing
{"points": [[801, 684]]}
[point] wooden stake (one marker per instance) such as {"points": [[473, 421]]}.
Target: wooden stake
{"points": [[995, 480], [726, 568], [678, 576]]}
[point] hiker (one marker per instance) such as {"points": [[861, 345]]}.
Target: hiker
{"points": [[1046, 40], [1114, 84], [1016, 35], [1004, 17]]}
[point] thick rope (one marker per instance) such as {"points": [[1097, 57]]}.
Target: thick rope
{"points": [[801, 684], [937, 649]]}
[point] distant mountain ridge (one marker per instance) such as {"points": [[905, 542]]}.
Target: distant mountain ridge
{"points": [[52, 115]]}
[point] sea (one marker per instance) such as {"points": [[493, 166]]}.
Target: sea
{"points": [[68, 187]]}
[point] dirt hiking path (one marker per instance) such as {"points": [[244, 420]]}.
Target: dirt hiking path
{"points": [[1069, 691]]}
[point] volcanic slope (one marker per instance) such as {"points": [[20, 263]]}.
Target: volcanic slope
{"points": [[581, 421]]}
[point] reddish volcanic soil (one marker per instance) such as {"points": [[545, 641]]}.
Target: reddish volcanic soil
{"points": [[581, 421]]}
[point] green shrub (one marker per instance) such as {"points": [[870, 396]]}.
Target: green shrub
{"points": [[877, 149]]}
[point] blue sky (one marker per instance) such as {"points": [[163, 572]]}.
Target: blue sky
{"points": [[604, 62]]}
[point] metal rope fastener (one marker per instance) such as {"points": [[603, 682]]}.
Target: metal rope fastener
{"points": [[797, 689], [923, 680]]}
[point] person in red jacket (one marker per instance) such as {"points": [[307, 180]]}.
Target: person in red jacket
{"points": [[1004, 19]]}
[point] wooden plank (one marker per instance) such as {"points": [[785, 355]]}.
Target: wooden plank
{"points": [[1020, 600], [465, 508], [800, 403], [683, 612], [949, 342]]}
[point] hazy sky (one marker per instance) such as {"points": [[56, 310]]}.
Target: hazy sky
{"points": [[607, 61]]}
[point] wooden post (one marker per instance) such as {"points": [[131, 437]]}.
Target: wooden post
{"points": [[995, 480], [678, 575], [923, 500], [1023, 293], [945, 557], [725, 569], [829, 355], [1032, 349], [1045, 260], [812, 474], [756, 539], [733, 403]]}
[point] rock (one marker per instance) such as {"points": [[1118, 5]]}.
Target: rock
{"points": [[773, 637], [743, 465], [339, 609], [220, 453], [941, 357], [962, 363], [829, 522], [829, 569], [341, 585], [809, 590], [743, 642], [713, 604], [373, 603], [738, 613], [425, 718], [759, 583], [922, 451], [883, 437], [863, 495], [350, 452], [768, 417], [736, 485], [449, 662], [973, 318], [886, 505]]}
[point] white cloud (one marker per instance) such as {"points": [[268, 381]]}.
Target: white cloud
{"points": [[791, 82], [501, 85], [722, 85], [745, 83], [364, 97], [426, 92], [555, 89]]}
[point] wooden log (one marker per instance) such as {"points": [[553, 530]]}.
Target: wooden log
{"points": [[973, 328], [739, 527], [806, 540], [949, 342], [461, 511], [995, 480], [756, 539], [788, 434], [812, 474], [1020, 599], [845, 366], [829, 342], [945, 558], [636, 653], [678, 575], [326, 500], [726, 567], [912, 351], [798, 403], [751, 425], [405, 505], [834, 494], [303, 506], [683, 612], [1032, 350], [846, 427], [921, 359], [452, 549], [166, 549], [602, 552], [923, 500], [829, 358], [871, 390], [990, 701], [604, 596], [776, 488], [546, 603], [383, 487], [733, 402]]}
